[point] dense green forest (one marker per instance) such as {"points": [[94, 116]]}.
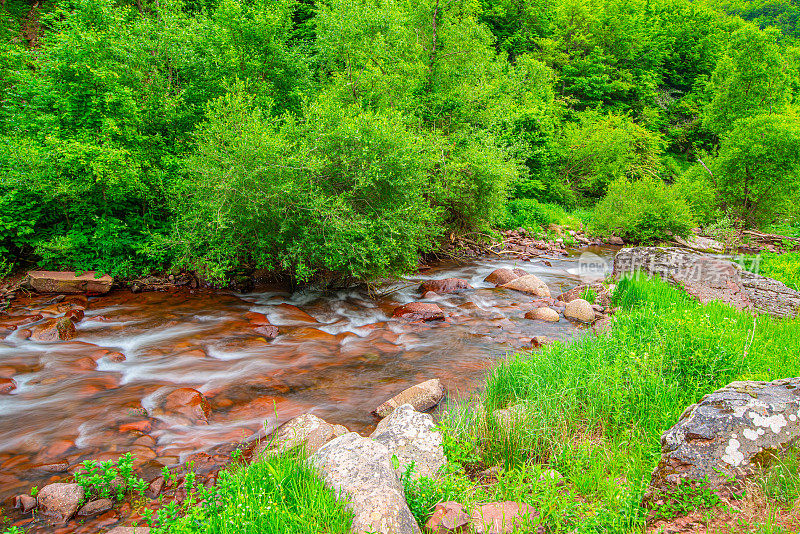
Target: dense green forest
{"points": [[340, 139]]}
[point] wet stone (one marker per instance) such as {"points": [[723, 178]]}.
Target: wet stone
{"points": [[59, 502], [93, 508], [422, 397]]}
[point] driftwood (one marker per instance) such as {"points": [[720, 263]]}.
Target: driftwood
{"points": [[770, 238]]}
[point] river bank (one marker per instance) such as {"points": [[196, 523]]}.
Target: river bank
{"points": [[111, 389]]}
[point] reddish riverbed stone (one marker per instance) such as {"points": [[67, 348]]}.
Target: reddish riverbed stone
{"points": [[419, 311]]}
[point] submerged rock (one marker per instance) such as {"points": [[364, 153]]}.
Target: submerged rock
{"points": [[59, 502], [728, 433], [421, 397], [306, 430], [410, 436], [580, 310], [530, 284], [188, 403], [447, 285], [68, 282], [419, 311], [709, 278], [95, 507], [361, 469]]}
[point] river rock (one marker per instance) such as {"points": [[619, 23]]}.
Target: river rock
{"points": [[68, 282], [448, 517], [419, 311], [187, 402], [7, 385], [410, 435], [543, 314], [502, 517], [361, 469], [92, 508], [129, 530], [26, 503], [616, 240], [602, 293], [500, 277], [530, 284], [422, 397], [727, 432], [54, 330], [307, 430], [267, 330], [59, 502], [580, 310], [709, 278], [447, 285]]}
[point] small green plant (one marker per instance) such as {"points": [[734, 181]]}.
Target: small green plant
{"points": [[423, 493], [13, 530], [34, 491], [687, 497], [589, 295], [109, 479]]}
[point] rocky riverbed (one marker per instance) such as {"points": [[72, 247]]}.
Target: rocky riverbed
{"points": [[191, 374]]}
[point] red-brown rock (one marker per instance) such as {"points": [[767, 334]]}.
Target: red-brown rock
{"points": [[68, 282], [501, 277], [54, 330], [189, 403], [267, 330], [502, 517], [448, 517], [75, 315], [59, 502], [26, 503], [419, 311], [446, 285], [7, 385], [92, 508], [143, 427]]}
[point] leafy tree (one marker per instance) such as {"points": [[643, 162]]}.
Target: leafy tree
{"points": [[752, 78], [600, 149], [758, 167]]}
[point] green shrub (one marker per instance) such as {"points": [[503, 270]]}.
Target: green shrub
{"points": [[339, 194], [696, 187], [532, 214], [642, 211]]}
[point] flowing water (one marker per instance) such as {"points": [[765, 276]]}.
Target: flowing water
{"points": [[339, 355]]}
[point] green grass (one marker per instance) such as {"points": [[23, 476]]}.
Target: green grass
{"points": [[280, 495], [594, 409], [782, 267]]}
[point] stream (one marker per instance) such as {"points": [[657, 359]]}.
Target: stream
{"points": [[339, 354]]}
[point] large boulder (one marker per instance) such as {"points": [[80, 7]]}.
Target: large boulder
{"points": [[500, 277], [410, 436], [68, 282], [530, 284], [422, 397], [447, 285], [579, 310], [419, 311], [306, 430], [58, 502], [710, 278], [728, 432], [360, 470]]}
